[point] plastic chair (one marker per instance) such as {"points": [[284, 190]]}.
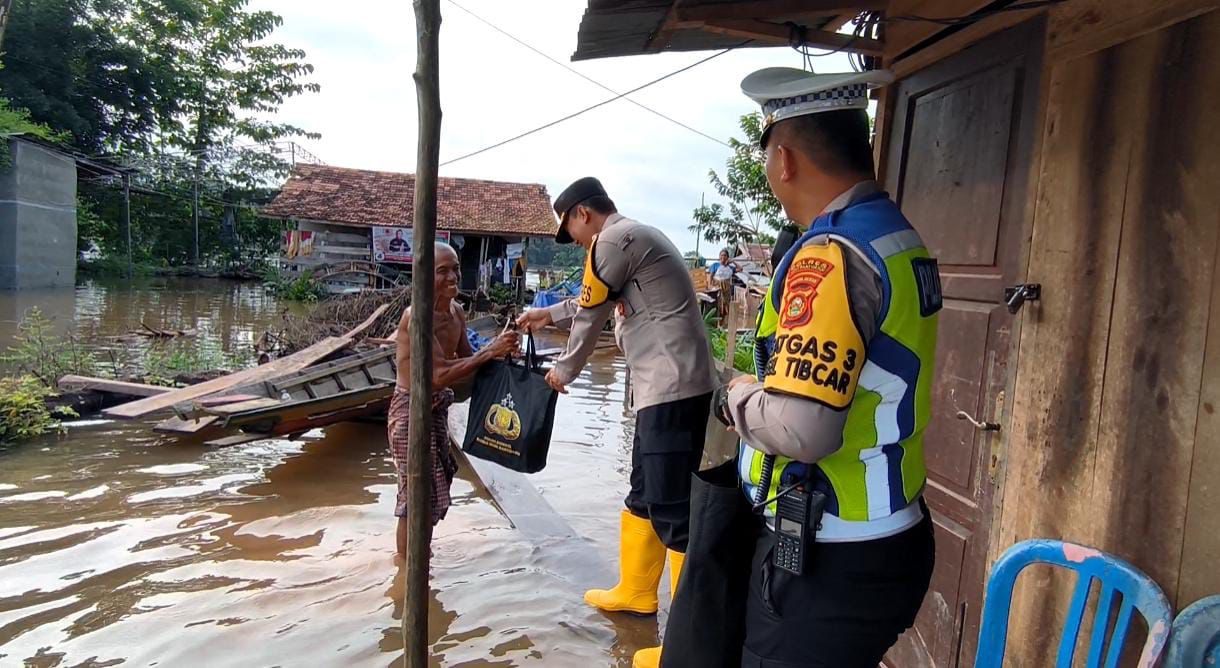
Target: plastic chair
{"points": [[1195, 639], [1138, 591]]}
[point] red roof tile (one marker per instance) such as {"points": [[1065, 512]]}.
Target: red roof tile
{"points": [[365, 198]]}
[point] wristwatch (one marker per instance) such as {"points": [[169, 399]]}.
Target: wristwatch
{"points": [[720, 405]]}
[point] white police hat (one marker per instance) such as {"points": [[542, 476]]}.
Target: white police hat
{"points": [[786, 92]]}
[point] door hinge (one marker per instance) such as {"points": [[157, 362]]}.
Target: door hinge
{"points": [[1016, 296]]}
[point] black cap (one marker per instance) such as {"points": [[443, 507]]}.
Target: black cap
{"points": [[579, 191]]}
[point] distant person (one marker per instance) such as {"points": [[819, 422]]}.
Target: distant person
{"points": [[452, 361], [635, 269], [400, 245], [725, 269]]}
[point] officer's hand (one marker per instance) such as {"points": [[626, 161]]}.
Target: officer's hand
{"points": [[552, 379], [534, 319], [740, 380]]}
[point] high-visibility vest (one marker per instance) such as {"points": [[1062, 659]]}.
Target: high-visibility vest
{"points": [[877, 475]]}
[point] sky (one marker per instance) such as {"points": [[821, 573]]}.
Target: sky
{"points": [[493, 88]]}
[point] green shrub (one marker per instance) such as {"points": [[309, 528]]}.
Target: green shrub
{"points": [[23, 409], [743, 353], [163, 361], [502, 294], [41, 353], [303, 288]]}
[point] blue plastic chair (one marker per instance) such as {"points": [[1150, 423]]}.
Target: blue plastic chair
{"points": [[1195, 639], [1138, 592]]}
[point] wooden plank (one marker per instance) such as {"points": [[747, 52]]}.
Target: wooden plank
{"points": [[74, 383], [1201, 542], [236, 439], [772, 9], [1162, 303], [177, 425], [531, 514], [956, 42], [775, 33], [1081, 27], [1053, 437], [293, 362], [902, 34], [242, 406]]}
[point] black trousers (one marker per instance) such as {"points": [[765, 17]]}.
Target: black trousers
{"points": [[667, 449], [848, 608]]}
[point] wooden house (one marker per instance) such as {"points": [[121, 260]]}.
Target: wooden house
{"points": [[352, 227], [1071, 149]]}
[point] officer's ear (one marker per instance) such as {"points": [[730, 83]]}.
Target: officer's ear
{"points": [[781, 165]]}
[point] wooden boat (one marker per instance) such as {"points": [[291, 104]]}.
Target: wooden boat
{"points": [[354, 386]]}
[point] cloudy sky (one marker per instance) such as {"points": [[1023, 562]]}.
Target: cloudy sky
{"points": [[493, 88]]}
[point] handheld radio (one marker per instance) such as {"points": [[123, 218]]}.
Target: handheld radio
{"points": [[797, 515]]}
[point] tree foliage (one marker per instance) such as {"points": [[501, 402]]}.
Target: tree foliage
{"points": [[752, 210], [184, 90], [546, 253]]}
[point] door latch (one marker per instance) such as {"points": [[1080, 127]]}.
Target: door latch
{"points": [[981, 426], [1016, 296]]}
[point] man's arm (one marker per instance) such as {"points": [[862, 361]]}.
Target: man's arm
{"points": [[786, 421], [605, 274], [446, 372]]}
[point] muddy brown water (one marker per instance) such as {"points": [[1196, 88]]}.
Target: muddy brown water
{"points": [[119, 546]]}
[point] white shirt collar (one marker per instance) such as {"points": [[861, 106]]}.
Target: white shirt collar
{"points": [[851, 195]]}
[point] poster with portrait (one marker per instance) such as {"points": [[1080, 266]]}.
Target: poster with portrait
{"points": [[395, 244]]}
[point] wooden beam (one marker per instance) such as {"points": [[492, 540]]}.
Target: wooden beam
{"points": [[768, 9], [73, 383], [658, 40], [775, 33]]}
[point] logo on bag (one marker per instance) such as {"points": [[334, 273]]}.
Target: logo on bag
{"points": [[503, 420]]}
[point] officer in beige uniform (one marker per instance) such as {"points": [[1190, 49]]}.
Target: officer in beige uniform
{"points": [[636, 269]]}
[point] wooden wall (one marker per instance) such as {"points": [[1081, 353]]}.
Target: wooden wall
{"points": [[1113, 438]]}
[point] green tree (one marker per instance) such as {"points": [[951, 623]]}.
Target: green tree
{"points": [[67, 65], [752, 209], [547, 253]]}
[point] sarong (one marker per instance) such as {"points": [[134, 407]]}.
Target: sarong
{"points": [[443, 465]]}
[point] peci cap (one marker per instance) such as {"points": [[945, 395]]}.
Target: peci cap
{"points": [[580, 190], [786, 92]]}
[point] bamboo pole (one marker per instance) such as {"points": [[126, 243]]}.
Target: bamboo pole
{"points": [[419, 516]]}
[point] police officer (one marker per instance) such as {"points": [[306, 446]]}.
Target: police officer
{"points": [[836, 418], [635, 269]]}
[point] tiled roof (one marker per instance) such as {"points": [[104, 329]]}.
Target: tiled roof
{"points": [[366, 198]]}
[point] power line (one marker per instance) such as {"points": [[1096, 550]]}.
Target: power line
{"points": [[603, 103], [582, 75]]}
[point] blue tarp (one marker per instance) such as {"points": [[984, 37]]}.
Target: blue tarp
{"points": [[476, 341]]}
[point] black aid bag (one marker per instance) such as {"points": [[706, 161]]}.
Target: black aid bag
{"points": [[512, 412]]}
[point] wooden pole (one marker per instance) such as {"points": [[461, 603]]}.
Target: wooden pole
{"points": [[127, 217], [419, 516], [195, 218]]}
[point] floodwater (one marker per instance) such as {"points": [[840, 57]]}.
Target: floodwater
{"points": [[119, 546]]}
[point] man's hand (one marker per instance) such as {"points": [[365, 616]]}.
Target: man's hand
{"points": [[740, 380], [504, 345], [552, 379], [534, 319]]}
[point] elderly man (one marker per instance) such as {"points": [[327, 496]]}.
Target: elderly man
{"points": [[453, 360]]}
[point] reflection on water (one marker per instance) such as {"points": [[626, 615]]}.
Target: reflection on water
{"points": [[120, 546], [228, 316]]}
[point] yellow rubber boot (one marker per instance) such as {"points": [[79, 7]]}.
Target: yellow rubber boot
{"points": [[651, 656], [641, 562]]}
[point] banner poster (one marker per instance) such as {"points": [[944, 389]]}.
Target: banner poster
{"points": [[394, 244]]}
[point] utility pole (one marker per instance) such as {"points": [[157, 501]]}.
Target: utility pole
{"points": [[127, 217], [427, 162], [6, 8], [195, 217], [698, 232]]}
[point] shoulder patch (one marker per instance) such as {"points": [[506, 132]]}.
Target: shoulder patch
{"points": [[593, 290], [927, 282], [818, 352]]}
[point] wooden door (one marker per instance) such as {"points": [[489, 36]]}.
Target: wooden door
{"points": [[958, 165]]}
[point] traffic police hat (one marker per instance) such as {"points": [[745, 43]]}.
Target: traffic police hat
{"points": [[579, 191], [786, 92]]}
